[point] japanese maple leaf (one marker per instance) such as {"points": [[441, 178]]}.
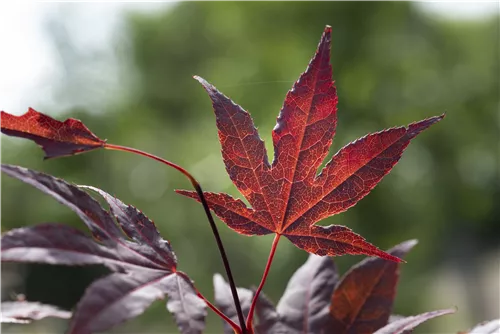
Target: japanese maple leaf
{"points": [[288, 197], [124, 240], [55, 137], [362, 300], [304, 306]]}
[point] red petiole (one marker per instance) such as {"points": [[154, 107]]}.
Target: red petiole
{"points": [[262, 281]]}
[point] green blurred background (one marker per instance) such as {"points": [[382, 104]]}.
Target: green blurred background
{"points": [[393, 64]]}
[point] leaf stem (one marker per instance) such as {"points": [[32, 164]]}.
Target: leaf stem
{"points": [[215, 231], [235, 327], [151, 156], [263, 280]]}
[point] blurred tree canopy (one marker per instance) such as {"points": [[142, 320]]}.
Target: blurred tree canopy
{"points": [[392, 66]]}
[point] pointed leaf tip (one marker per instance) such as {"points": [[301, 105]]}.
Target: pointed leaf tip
{"points": [[201, 80], [218, 279], [390, 257], [211, 90], [401, 249], [326, 38], [410, 243], [436, 119]]}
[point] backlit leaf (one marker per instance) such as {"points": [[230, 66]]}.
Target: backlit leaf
{"points": [[289, 196], [56, 138]]}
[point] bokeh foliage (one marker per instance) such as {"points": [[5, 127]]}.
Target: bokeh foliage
{"points": [[392, 65]]}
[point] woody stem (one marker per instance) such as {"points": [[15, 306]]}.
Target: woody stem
{"points": [[215, 231], [263, 280]]}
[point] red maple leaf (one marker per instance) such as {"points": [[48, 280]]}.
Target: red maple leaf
{"points": [[55, 137], [288, 197]]}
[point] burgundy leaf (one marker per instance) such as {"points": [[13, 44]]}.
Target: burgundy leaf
{"points": [[225, 302], [24, 312], [289, 197], [122, 296], [362, 301], [406, 325], [304, 306], [56, 138], [131, 245]]}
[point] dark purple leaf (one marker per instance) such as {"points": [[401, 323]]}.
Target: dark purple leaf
{"points": [[304, 307], [269, 319], [146, 264], [225, 302], [23, 312], [64, 245], [406, 325], [306, 300], [101, 224], [121, 296], [362, 301]]}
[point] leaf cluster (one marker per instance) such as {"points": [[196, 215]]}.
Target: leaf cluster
{"points": [[287, 197]]}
